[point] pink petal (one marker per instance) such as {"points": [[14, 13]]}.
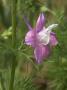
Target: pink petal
{"points": [[27, 23], [29, 38], [53, 39], [41, 52], [40, 22]]}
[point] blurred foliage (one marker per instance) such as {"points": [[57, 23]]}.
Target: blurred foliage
{"points": [[54, 69]]}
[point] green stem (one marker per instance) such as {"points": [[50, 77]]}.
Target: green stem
{"points": [[2, 81], [13, 2]]}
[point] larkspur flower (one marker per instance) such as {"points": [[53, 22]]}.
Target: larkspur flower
{"points": [[41, 38]]}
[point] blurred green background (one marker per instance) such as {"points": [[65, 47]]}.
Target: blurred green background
{"points": [[51, 74]]}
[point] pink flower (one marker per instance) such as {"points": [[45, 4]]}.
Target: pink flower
{"points": [[40, 38]]}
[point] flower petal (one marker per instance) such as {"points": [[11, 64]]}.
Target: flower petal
{"points": [[53, 39], [50, 27], [29, 38], [44, 37], [40, 22], [27, 23], [41, 52]]}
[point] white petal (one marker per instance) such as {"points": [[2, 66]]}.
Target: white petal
{"points": [[44, 35], [49, 28]]}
